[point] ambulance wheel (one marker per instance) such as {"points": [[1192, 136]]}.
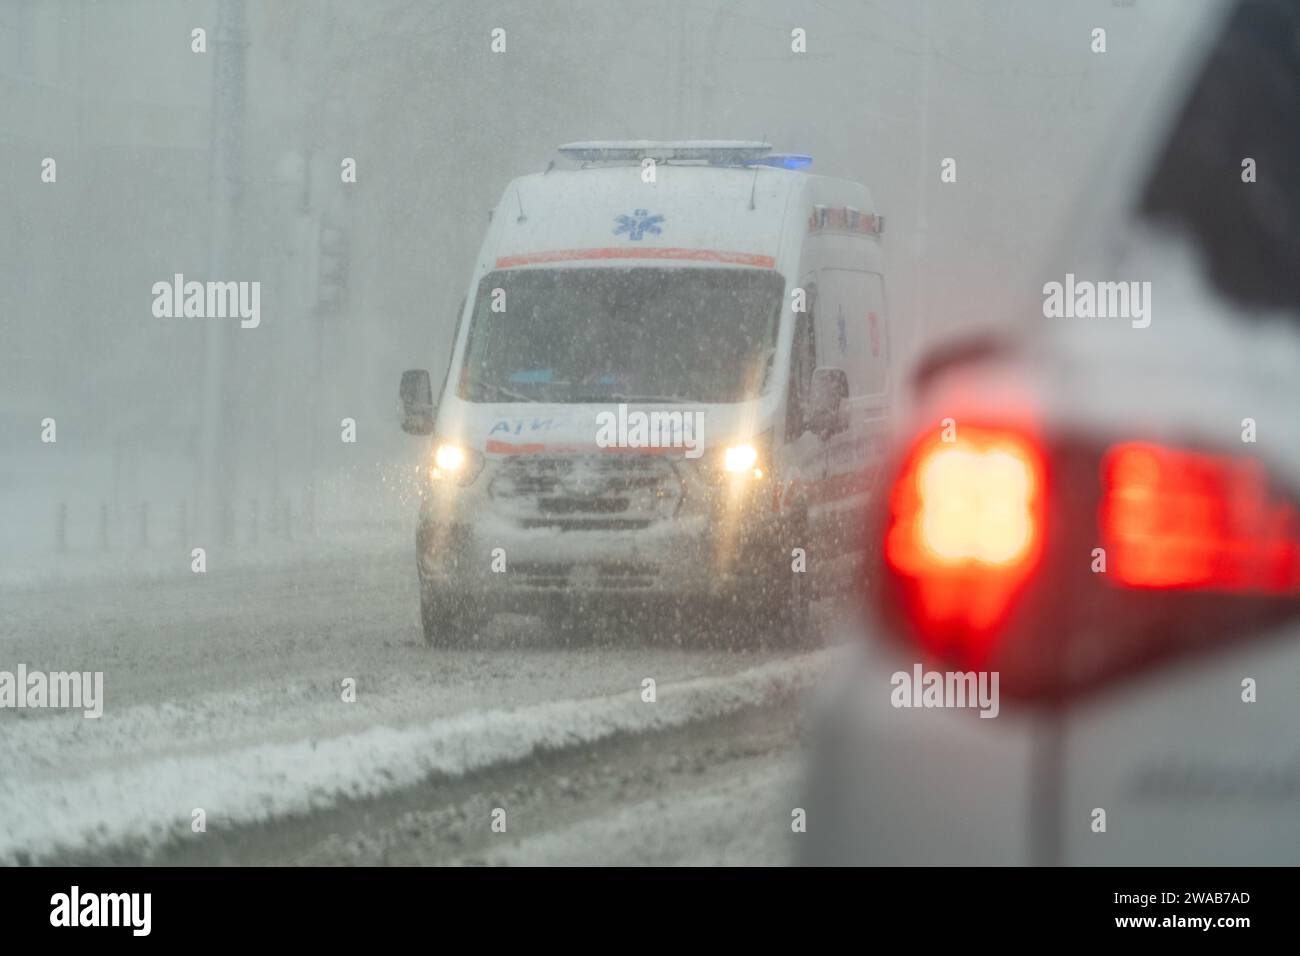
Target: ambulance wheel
{"points": [[788, 604], [793, 618]]}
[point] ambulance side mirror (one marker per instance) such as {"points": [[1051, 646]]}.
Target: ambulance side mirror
{"points": [[826, 412], [417, 402]]}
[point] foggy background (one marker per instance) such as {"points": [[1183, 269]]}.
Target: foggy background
{"points": [[165, 424]]}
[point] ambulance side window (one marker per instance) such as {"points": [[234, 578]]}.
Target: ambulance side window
{"points": [[451, 352], [803, 359]]}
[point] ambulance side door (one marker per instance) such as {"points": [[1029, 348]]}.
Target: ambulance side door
{"points": [[803, 446], [852, 334]]}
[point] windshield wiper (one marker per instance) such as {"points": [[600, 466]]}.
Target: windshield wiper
{"points": [[501, 390], [642, 399]]}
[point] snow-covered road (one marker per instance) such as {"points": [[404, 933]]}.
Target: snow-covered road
{"points": [[225, 692]]}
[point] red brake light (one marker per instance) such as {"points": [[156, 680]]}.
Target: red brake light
{"points": [[966, 525], [990, 555], [1177, 519]]}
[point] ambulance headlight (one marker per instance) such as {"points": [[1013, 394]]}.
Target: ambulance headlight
{"points": [[449, 458], [742, 459], [455, 462]]}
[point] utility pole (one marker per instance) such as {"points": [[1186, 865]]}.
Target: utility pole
{"points": [[318, 333], [217, 452]]}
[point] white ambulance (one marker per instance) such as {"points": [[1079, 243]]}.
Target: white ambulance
{"points": [[667, 393]]}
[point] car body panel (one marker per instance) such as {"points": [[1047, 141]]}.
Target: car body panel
{"points": [[1191, 762]]}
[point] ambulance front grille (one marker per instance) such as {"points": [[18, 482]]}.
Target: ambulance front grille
{"points": [[618, 491]]}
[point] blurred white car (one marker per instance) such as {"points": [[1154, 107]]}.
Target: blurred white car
{"points": [[1099, 504]]}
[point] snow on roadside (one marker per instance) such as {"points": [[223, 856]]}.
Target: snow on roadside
{"points": [[148, 804]]}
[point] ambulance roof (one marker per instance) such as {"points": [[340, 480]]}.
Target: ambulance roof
{"points": [[690, 213]]}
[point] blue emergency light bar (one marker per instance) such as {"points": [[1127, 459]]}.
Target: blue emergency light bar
{"points": [[783, 161]]}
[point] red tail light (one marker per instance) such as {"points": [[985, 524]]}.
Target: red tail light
{"points": [[966, 525], [990, 554], [1175, 519]]}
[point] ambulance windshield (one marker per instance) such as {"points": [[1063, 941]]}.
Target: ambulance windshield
{"points": [[611, 334]]}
